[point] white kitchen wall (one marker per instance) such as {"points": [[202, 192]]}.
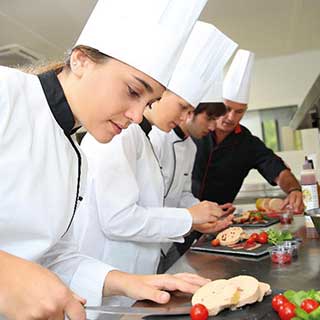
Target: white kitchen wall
{"points": [[283, 80], [252, 121], [295, 159]]}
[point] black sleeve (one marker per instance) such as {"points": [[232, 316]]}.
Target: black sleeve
{"points": [[204, 146], [266, 161]]}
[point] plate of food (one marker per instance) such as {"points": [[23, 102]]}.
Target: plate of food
{"points": [[235, 240], [240, 297], [253, 218]]}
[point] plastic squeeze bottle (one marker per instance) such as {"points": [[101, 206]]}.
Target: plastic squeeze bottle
{"points": [[309, 185]]}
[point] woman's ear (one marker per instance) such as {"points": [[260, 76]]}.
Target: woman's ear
{"points": [[79, 61]]}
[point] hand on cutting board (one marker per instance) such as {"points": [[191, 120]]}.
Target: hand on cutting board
{"points": [[33, 292], [151, 287]]}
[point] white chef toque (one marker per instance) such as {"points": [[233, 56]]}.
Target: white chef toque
{"points": [[206, 52], [148, 35], [214, 94], [236, 85]]}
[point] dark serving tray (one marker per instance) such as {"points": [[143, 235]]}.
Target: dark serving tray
{"points": [[207, 247], [269, 222], [257, 311]]}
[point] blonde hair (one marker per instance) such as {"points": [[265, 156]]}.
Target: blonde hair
{"points": [[57, 66]]}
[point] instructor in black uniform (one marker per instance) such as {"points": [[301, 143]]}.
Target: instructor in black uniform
{"points": [[225, 157]]}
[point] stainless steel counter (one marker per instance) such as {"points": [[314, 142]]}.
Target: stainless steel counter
{"points": [[302, 273]]}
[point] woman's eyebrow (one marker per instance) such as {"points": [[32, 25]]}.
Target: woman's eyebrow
{"points": [[145, 84]]}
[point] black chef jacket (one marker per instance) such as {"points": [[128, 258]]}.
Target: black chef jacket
{"points": [[220, 169]]}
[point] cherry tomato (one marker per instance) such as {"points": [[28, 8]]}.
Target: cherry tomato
{"points": [[215, 242], [199, 312], [257, 217], [308, 305], [281, 258], [250, 241], [288, 311], [278, 301], [263, 237], [254, 236]]}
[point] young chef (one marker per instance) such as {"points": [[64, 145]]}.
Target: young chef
{"points": [[176, 150], [176, 153], [43, 170], [225, 157], [123, 221]]}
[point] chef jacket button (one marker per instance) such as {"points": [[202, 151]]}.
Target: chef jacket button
{"points": [[80, 198]]}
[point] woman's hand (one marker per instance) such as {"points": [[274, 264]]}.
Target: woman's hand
{"points": [[151, 287], [205, 211], [30, 291], [213, 227], [228, 208]]}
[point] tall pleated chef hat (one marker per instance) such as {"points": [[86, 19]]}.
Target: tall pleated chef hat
{"points": [[214, 94], [206, 52], [148, 35], [236, 85]]}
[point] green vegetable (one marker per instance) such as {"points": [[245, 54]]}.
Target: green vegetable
{"points": [[296, 297], [301, 314], [277, 236], [315, 314]]}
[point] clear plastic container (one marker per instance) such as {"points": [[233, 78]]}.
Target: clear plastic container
{"points": [[293, 245], [280, 254], [286, 217]]}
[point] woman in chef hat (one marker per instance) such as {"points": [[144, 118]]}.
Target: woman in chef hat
{"points": [[106, 83], [123, 221]]}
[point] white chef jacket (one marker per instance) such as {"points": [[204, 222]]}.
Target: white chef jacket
{"points": [[176, 154], [40, 186], [123, 221]]}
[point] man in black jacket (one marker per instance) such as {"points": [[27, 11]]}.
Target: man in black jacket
{"points": [[225, 157]]}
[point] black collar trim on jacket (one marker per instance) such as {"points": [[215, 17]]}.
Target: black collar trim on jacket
{"points": [[180, 133], [57, 101], [145, 126]]}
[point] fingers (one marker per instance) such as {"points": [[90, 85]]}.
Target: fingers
{"points": [[226, 206], [192, 278], [78, 298], [173, 283], [295, 201], [150, 287], [58, 316], [74, 310], [285, 202]]}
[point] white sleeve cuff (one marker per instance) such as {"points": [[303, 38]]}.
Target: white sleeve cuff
{"points": [[88, 280], [183, 227]]}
